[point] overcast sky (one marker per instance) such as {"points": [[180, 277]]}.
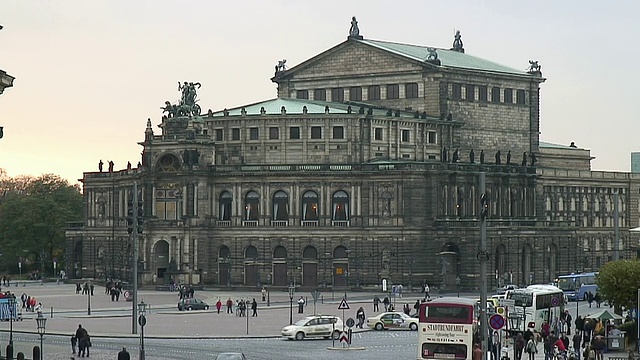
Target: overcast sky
{"points": [[90, 73]]}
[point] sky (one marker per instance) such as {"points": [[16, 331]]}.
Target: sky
{"points": [[90, 73]]}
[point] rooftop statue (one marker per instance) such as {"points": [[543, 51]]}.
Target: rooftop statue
{"points": [[534, 67], [354, 31], [187, 105], [281, 66], [457, 42], [432, 55]]}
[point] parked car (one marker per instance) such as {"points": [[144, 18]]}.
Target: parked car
{"points": [[192, 304], [230, 356], [314, 326], [392, 320]]}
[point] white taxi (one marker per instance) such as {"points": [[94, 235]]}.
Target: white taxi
{"points": [[392, 320], [314, 326]]}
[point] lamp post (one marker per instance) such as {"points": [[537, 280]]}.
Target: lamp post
{"points": [[576, 286], [12, 306], [514, 322], [142, 321], [292, 290], [41, 323], [88, 302], [458, 281]]}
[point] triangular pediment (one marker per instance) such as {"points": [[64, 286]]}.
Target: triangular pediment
{"points": [[351, 58]]}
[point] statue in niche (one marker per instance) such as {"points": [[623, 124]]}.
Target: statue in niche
{"points": [[481, 156], [472, 156], [509, 157], [524, 159], [498, 159], [456, 156], [386, 261]]}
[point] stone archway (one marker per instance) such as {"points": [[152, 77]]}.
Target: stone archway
{"points": [[526, 261], [340, 266], [449, 261], [251, 266], [280, 277], [161, 258], [77, 260], [224, 265]]}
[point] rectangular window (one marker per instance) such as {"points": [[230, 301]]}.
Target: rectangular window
{"points": [[337, 95], [456, 91], [219, 134], [495, 94], [482, 93], [316, 132], [393, 91], [294, 133], [338, 132], [406, 135], [355, 94], [508, 96], [253, 134], [235, 134], [320, 94], [377, 134], [302, 94], [374, 92], [520, 97], [274, 133], [470, 93], [406, 156], [411, 91], [431, 137]]}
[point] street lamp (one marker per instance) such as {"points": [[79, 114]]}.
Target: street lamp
{"points": [[576, 286], [41, 323], [514, 322], [142, 321], [292, 290], [458, 281], [88, 302], [12, 313]]}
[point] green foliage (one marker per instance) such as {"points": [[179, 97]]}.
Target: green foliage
{"points": [[33, 214], [618, 283], [630, 328]]}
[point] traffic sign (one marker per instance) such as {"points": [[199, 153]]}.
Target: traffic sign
{"points": [[555, 301], [496, 322], [350, 322], [343, 305], [500, 310], [344, 338], [142, 320]]}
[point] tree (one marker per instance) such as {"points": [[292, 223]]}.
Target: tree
{"points": [[33, 215], [618, 283]]}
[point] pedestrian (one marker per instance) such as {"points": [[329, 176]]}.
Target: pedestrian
{"points": [[124, 354], [243, 308], [254, 307], [386, 302], [360, 316], [520, 344], [78, 288], [74, 342], [477, 352], [598, 300], [426, 291], [376, 302], [81, 338], [264, 294], [155, 279], [406, 309], [416, 306], [531, 348], [568, 319], [589, 298], [91, 287], [301, 305], [229, 306], [218, 305], [577, 340]]}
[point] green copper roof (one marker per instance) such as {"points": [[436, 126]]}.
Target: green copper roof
{"points": [[295, 106], [448, 58]]}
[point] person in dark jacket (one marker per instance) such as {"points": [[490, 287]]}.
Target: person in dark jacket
{"points": [[82, 337], [124, 354]]}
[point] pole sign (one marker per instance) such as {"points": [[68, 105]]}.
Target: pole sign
{"points": [[496, 322], [384, 285]]}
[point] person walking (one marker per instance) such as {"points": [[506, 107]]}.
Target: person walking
{"points": [[254, 307], [376, 303], [360, 316], [124, 354], [229, 306], [386, 302], [577, 340], [81, 338], [74, 342], [426, 291], [301, 305], [531, 348], [218, 305], [520, 344]]}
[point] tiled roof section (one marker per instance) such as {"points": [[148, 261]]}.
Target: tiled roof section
{"points": [[295, 106], [448, 58]]}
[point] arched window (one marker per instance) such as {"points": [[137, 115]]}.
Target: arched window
{"points": [[340, 206], [310, 206], [310, 252], [224, 252], [252, 206], [225, 206], [279, 252], [251, 253], [280, 206], [168, 163]]}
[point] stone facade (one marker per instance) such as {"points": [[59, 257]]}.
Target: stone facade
{"points": [[360, 185]]}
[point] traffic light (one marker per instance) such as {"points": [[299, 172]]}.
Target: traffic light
{"points": [[130, 216], [484, 207], [140, 216]]}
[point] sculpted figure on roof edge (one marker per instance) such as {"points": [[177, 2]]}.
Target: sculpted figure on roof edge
{"points": [[354, 31]]}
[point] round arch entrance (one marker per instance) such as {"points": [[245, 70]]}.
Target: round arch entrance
{"points": [[161, 258], [310, 266]]}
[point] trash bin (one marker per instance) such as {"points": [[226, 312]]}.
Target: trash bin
{"points": [[615, 343]]}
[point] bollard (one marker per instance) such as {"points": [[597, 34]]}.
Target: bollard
{"points": [[51, 314], [322, 299]]}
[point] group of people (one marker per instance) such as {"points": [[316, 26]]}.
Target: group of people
{"points": [[241, 306], [6, 281], [86, 288], [591, 298], [82, 340], [186, 292], [29, 303], [388, 306], [113, 288]]}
